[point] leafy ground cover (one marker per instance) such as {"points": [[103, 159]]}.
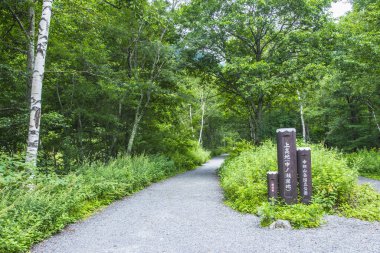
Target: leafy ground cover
{"points": [[335, 188], [31, 209], [367, 162]]}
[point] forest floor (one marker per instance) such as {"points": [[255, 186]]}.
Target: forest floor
{"points": [[186, 214]]}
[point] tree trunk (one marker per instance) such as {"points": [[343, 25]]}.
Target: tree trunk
{"points": [[256, 119], [191, 122], [258, 123], [203, 105], [252, 127], [38, 73], [302, 118], [374, 115], [112, 151], [30, 54], [138, 116], [133, 133]]}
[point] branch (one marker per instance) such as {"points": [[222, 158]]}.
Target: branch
{"points": [[8, 31], [111, 4], [19, 22]]}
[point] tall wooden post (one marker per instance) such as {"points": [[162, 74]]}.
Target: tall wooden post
{"points": [[287, 164]]}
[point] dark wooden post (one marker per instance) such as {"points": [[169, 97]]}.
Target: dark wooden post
{"points": [[287, 164], [272, 181], [304, 173]]}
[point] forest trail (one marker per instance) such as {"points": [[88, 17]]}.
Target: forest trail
{"points": [[186, 214]]}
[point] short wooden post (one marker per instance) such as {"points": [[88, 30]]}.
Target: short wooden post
{"points": [[272, 181], [304, 173]]}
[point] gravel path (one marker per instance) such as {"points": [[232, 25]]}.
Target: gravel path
{"points": [[185, 214]]}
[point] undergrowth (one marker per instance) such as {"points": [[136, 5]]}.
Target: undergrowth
{"points": [[335, 189], [31, 209], [367, 162]]}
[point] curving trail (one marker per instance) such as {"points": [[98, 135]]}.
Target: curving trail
{"points": [[186, 214]]}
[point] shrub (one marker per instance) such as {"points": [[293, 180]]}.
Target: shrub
{"points": [[335, 190], [190, 156], [367, 162], [28, 215], [234, 148]]}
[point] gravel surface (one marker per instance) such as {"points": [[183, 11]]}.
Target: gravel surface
{"points": [[373, 182], [186, 214]]}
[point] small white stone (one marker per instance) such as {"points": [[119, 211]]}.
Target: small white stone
{"points": [[280, 224]]}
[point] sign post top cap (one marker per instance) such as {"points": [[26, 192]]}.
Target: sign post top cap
{"points": [[303, 148], [272, 172], [281, 130]]}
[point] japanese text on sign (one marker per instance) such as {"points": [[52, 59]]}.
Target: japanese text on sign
{"points": [[288, 175]]}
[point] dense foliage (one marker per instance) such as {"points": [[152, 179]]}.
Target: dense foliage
{"points": [[146, 76], [335, 188], [367, 162], [31, 209]]}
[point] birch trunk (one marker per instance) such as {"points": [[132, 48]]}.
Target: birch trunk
{"points": [[31, 54], [36, 92], [302, 118], [138, 116], [133, 133], [143, 106], [203, 105], [191, 122], [374, 115]]}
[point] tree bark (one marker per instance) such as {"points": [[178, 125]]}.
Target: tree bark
{"points": [[252, 126], [138, 116], [302, 118], [374, 115], [256, 112], [203, 105], [191, 121], [31, 53], [36, 92]]}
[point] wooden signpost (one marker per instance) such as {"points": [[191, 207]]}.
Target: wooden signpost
{"points": [[287, 164], [294, 165]]}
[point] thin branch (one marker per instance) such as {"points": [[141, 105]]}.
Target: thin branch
{"points": [[19, 22], [8, 31], [111, 4]]}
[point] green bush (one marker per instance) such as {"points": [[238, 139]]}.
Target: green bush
{"points": [[190, 155], [367, 162], [235, 148], [33, 208], [335, 189]]}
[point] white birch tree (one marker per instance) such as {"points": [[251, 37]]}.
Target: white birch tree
{"points": [[302, 117], [36, 92], [203, 105]]}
